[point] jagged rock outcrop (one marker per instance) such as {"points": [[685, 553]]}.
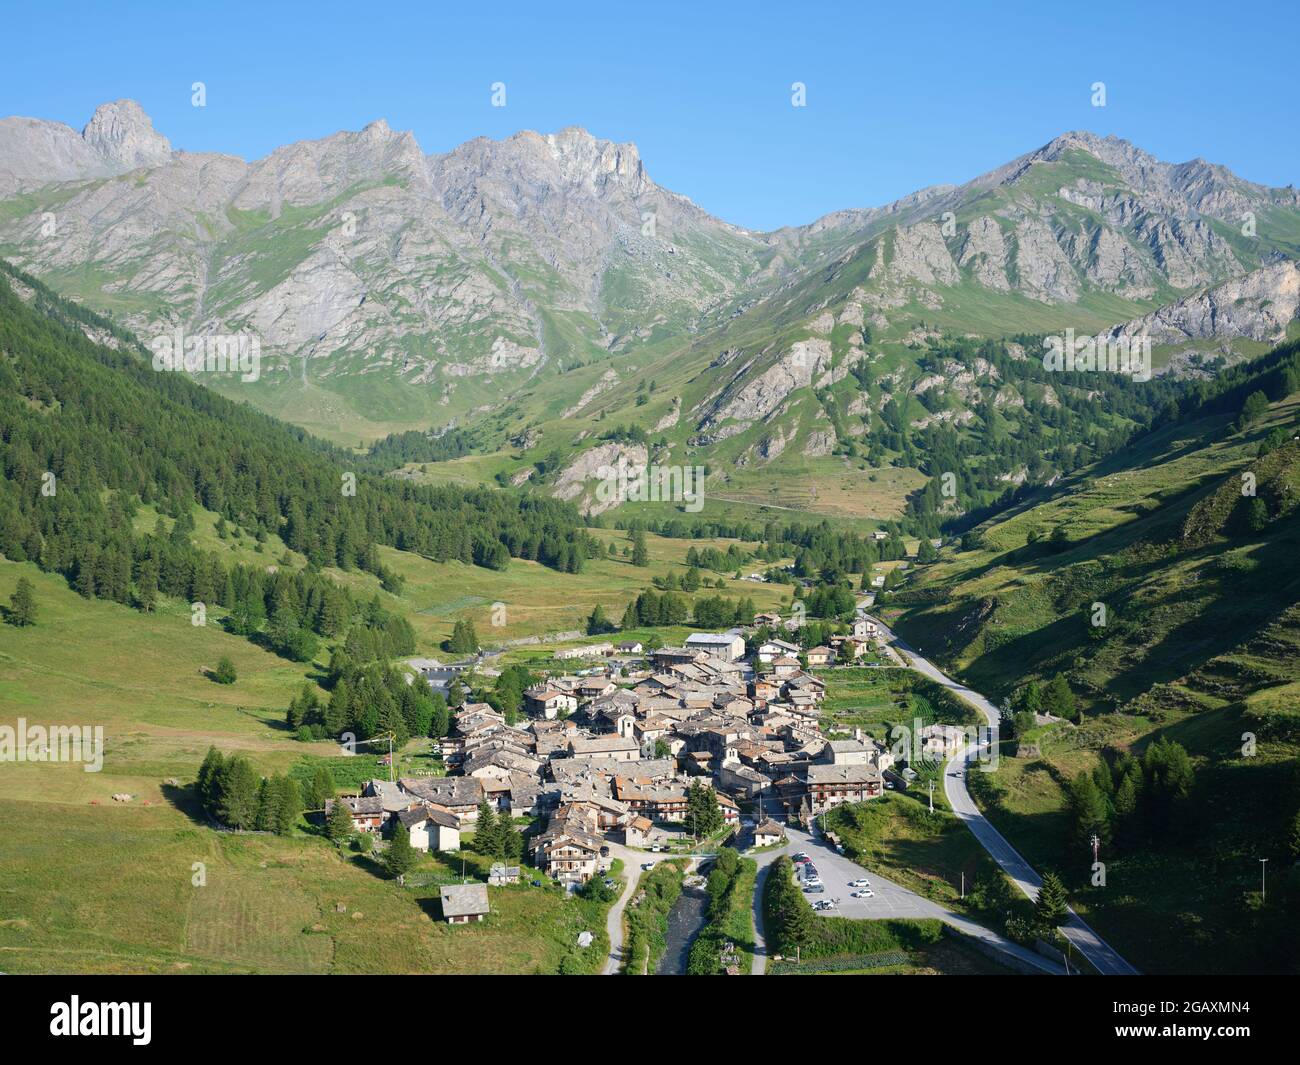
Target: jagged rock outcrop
{"points": [[1259, 306]]}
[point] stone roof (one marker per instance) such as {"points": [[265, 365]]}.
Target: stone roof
{"points": [[464, 900]]}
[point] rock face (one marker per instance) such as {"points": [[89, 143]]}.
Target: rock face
{"points": [[123, 135], [118, 138], [758, 396], [1259, 306], [594, 477]]}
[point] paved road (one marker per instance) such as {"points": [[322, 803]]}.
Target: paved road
{"points": [[1100, 953], [891, 900], [614, 921]]}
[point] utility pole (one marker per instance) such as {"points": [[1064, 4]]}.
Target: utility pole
{"points": [[932, 796], [963, 883], [1263, 865], [1096, 846]]}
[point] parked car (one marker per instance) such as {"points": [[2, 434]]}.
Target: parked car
{"points": [[801, 857], [813, 889], [604, 852], [647, 865], [865, 893], [656, 848], [861, 881]]}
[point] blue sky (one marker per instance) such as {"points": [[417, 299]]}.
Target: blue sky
{"points": [[899, 96]]}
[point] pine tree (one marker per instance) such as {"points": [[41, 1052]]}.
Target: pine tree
{"points": [[464, 640], [640, 553], [237, 786], [1058, 699], [22, 604], [400, 857], [207, 782], [1088, 810], [338, 823], [598, 623], [288, 805], [266, 801], [485, 830], [1050, 907]]}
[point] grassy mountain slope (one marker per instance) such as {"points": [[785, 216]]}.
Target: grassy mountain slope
{"points": [[1201, 600]]}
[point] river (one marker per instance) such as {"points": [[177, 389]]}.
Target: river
{"points": [[685, 920]]}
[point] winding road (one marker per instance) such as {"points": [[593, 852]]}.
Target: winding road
{"points": [[1101, 954]]}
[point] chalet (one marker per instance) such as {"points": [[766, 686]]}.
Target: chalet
{"points": [[637, 832], [785, 666], [668, 656], [941, 741], [568, 850], [770, 651], [549, 702], [730, 811], [819, 656], [657, 801], [463, 903], [767, 619], [457, 795], [865, 629], [729, 646], [831, 785], [500, 874], [631, 647], [595, 687], [431, 829], [768, 833], [368, 813]]}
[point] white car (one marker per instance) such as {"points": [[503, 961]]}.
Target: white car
{"points": [[862, 881], [647, 865], [865, 893]]}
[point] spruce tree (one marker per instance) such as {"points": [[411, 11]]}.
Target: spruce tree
{"points": [[22, 604], [338, 824], [485, 830], [640, 553], [237, 786], [1050, 907], [288, 805], [400, 856]]}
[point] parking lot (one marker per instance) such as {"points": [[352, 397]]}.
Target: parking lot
{"points": [[836, 871]]}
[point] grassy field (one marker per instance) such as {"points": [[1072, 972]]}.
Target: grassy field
{"points": [[950, 956], [90, 884], [925, 852], [111, 890]]}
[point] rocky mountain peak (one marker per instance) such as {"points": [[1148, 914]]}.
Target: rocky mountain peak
{"points": [[583, 157], [123, 134]]}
